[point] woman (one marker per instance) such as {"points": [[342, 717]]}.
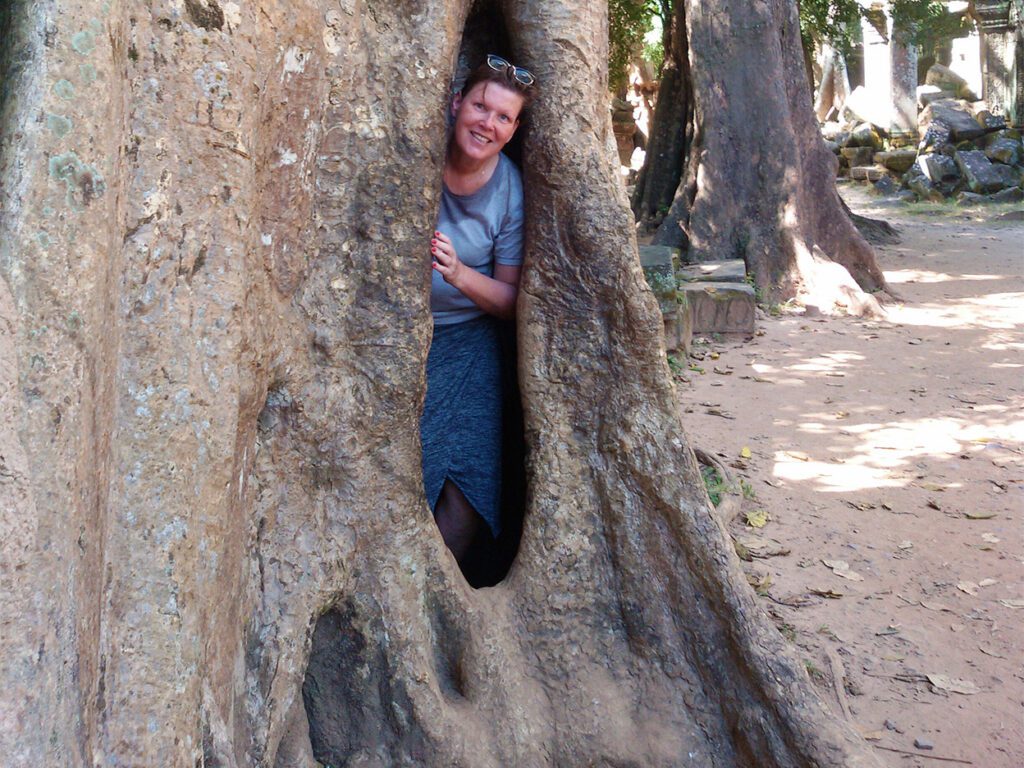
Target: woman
{"points": [[477, 257]]}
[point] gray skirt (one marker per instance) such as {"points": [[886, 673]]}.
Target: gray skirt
{"points": [[461, 427]]}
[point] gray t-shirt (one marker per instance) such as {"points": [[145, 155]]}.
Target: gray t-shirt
{"points": [[485, 227]]}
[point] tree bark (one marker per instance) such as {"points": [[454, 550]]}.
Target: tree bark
{"points": [[215, 328], [670, 127], [758, 183]]}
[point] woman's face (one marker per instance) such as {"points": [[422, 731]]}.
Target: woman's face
{"points": [[485, 119]]}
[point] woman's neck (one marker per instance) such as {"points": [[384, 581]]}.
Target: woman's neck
{"points": [[464, 175]]}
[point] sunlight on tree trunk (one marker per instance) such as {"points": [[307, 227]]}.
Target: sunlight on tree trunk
{"points": [[215, 299]]}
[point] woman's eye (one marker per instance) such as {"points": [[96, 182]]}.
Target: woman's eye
{"points": [[503, 118]]}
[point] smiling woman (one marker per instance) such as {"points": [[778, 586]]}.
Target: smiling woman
{"points": [[477, 257]]}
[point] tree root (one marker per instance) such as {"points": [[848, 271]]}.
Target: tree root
{"points": [[729, 505]]}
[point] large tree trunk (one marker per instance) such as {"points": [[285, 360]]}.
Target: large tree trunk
{"points": [[216, 549], [758, 183]]}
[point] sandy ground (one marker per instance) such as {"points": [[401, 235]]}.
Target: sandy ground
{"points": [[894, 447]]}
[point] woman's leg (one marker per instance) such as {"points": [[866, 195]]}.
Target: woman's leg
{"points": [[458, 522]]}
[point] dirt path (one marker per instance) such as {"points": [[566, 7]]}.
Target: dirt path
{"points": [[897, 448]]}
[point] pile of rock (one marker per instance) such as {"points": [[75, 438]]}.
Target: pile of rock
{"points": [[965, 152], [968, 153]]}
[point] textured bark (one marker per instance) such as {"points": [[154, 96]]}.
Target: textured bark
{"points": [[757, 182], [216, 549], [673, 119]]}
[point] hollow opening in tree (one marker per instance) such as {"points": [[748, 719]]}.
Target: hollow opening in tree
{"points": [[490, 557]]}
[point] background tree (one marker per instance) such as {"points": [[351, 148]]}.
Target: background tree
{"points": [[755, 180], [215, 546]]}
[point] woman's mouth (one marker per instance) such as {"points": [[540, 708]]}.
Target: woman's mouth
{"points": [[480, 138]]}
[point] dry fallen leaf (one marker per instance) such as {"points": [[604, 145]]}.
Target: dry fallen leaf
{"points": [[932, 487], [831, 594], [757, 546], [842, 568], [745, 452], [863, 506], [1012, 603], [968, 586], [989, 652], [979, 515], [798, 455], [953, 684], [906, 544], [935, 606], [991, 538], [722, 371], [987, 582], [720, 412], [933, 504], [758, 518]]}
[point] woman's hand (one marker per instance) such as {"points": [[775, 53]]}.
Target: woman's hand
{"points": [[446, 261]]}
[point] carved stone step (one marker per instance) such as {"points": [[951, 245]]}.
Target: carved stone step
{"points": [[725, 271], [719, 307]]}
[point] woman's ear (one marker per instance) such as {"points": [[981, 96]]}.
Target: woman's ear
{"points": [[456, 101]]}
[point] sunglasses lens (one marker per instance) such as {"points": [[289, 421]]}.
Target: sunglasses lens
{"points": [[496, 62], [524, 76]]}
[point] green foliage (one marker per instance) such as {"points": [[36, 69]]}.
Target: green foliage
{"points": [[837, 21], [714, 484], [628, 22]]}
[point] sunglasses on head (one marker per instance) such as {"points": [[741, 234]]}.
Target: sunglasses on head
{"points": [[498, 64]]}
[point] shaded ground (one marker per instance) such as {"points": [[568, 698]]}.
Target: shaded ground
{"points": [[897, 448]]}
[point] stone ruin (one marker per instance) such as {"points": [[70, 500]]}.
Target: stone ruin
{"points": [[964, 151], [939, 140]]}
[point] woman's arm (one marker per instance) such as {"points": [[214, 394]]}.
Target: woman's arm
{"points": [[494, 295]]}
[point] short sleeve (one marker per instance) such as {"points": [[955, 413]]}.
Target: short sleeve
{"points": [[508, 245]]}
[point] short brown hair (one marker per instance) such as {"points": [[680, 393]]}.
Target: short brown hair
{"points": [[503, 77]]}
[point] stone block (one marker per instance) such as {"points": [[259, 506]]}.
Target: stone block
{"points": [[885, 187], [1002, 150], [990, 122], [921, 186], [946, 79], [982, 176], [954, 115], [1009, 195], [861, 106], [720, 307], [898, 160], [726, 271], [858, 156], [865, 135], [870, 173], [659, 264], [926, 94], [938, 168], [678, 329]]}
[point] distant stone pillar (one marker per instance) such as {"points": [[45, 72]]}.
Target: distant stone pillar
{"points": [[1002, 56], [890, 70], [903, 71], [877, 63]]}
